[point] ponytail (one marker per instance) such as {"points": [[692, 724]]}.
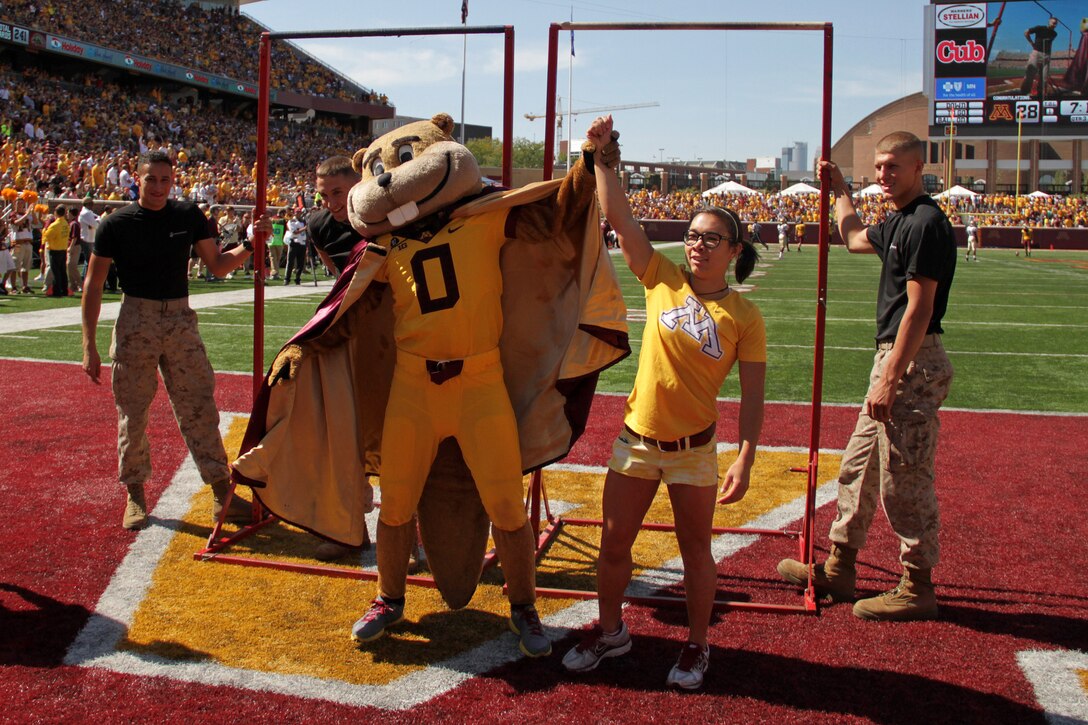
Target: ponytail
{"points": [[745, 261]]}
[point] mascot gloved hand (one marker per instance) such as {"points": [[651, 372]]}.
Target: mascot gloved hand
{"points": [[467, 333]]}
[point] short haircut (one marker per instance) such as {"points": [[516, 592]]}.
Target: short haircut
{"points": [[154, 157], [336, 166], [901, 141], [61, 210]]}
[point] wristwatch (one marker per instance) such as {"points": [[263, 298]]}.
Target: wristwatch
{"points": [[247, 245]]}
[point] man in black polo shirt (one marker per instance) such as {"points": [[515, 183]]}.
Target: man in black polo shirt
{"points": [[332, 234], [1039, 60], [149, 241], [891, 452]]}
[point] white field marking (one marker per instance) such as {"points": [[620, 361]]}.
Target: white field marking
{"points": [[1058, 687], [248, 327], [96, 644], [722, 399], [857, 406], [69, 316], [1020, 291], [959, 323], [61, 329], [1042, 269], [20, 337], [869, 303], [951, 352]]}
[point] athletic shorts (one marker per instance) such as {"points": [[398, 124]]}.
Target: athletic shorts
{"points": [[693, 467]]}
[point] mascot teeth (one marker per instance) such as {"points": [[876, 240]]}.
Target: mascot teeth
{"points": [[404, 214]]}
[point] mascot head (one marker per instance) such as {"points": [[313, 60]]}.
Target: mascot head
{"points": [[408, 174]]}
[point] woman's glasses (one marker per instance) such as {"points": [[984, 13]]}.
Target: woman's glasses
{"points": [[710, 240]]}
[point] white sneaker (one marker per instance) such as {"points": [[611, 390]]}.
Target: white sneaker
{"points": [[688, 671], [596, 646]]}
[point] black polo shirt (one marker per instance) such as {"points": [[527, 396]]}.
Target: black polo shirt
{"points": [[336, 239], [1044, 38], [915, 241], [151, 248]]}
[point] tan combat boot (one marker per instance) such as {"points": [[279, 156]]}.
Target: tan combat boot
{"points": [[834, 578], [912, 599], [135, 507], [239, 511]]}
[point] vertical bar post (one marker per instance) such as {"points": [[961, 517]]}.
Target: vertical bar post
{"points": [[808, 525], [549, 108], [264, 98], [508, 109]]}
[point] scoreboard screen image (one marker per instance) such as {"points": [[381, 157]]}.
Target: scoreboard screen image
{"points": [[995, 68]]}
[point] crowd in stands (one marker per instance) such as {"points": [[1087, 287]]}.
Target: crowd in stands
{"points": [[217, 40], [77, 137], [1001, 210]]}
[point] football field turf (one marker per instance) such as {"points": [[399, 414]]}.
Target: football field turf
{"points": [[1016, 329], [102, 624]]}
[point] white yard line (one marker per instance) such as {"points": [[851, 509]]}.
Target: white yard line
{"points": [[45, 319]]}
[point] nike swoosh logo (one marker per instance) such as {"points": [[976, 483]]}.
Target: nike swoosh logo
{"points": [[451, 230], [177, 234]]}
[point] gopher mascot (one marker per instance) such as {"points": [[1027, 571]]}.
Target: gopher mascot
{"points": [[459, 349]]}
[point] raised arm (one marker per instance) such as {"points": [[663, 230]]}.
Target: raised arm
{"points": [[634, 243], [850, 226]]}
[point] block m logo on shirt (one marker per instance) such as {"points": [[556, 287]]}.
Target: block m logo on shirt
{"points": [[696, 322]]}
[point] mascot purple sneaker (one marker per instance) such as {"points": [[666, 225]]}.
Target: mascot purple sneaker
{"points": [[458, 350]]}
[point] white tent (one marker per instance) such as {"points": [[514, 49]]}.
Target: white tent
{"points": [[730, 187], [799, 188], [870, 190], [957, 191], [1039, 194]]}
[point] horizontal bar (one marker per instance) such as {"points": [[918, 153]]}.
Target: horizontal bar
{"points": [[338, 572], [694, 26], [237, 536], [389, 32], [672, 527], [719, 604]]}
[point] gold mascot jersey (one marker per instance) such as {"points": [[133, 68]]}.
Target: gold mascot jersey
{"points": [[447, 306], [447, 291], [688, 347]]}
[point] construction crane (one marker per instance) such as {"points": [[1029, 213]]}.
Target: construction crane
{"points": [[559, 113]]}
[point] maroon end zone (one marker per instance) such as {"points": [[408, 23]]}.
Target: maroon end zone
{"points": [[1012, 512]]}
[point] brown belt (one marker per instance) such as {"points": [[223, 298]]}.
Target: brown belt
{"points": [[693, 441], [442, 370], [930, 340]]}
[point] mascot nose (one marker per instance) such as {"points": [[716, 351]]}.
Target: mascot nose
{"points": [[384, 179]]}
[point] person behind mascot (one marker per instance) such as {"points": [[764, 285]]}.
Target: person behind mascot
{"points": [[465, 371]]}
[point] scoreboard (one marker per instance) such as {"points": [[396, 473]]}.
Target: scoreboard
{"points": [[985, 78]]}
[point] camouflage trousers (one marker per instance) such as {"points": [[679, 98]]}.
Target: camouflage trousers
{"points": [[161, 336], [893, 462]]}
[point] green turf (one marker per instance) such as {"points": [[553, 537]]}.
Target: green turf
{"points": [[1016, 329]]}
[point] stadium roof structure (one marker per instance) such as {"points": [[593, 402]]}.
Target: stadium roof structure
{"points": [[870, 190], [956, 191], [730, 187], [799, 188]]}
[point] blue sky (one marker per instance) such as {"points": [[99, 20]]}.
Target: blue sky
{"points": [[732, 95]]}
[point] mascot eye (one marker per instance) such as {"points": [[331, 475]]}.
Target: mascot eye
{"points": [[377, 168], [404, 154]]}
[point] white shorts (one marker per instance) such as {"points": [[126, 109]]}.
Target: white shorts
{"points": [[693, 467]]}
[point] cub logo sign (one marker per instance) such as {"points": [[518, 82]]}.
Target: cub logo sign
{"points": [[949, 51]]}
